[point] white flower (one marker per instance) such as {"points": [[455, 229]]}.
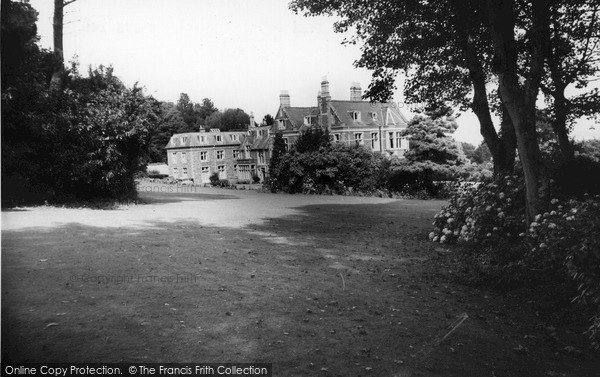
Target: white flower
{"points": [[542, 245], [488, 208], [488, 235], [554, 201], [431, 235], [450, 220], [501, 195], [500, 214], [495, 228], [443, 239], [551, 225], [435, 239]]}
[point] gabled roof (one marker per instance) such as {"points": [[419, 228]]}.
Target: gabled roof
{"points": [[256, 142], [369, 113], [295, 117]]}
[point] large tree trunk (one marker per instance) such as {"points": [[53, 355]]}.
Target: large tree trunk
{"points": [[520, 101], [502, 147], [559, 125], [57, 25], [508, 145], [57, 29]]}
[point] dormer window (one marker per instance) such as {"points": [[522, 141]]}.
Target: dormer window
{"points": [[374, 116], [281, 124], [234, 137], [202, 139], [184, 139], [218, 138], [355, 115], [307, 120]]}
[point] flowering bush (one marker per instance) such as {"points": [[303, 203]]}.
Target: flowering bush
{"points": [[483, 213], [565, 237], [560, 245]]}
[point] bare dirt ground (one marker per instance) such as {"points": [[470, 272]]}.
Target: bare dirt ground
{"points": [[317, 285]]}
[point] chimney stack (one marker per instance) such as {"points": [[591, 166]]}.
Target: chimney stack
{"points": [[355, 92], [325, 88], [284, 98], [252, 123]]}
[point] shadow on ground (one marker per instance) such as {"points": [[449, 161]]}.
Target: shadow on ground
{"points": [[337, 290]]}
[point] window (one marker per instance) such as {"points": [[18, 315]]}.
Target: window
{"points": [[404, 143], [203, 156], [218, 138], [261, 157], [175, 172], [184, 139], [174, 156], [219, 155], [286, 142], [236, 153], [391, 140], [398, 139], [202, 139], [205, 170], [221, 169], [185, 172], [234, 137], [336, 137], [358, 138], [355, 115], [374, 116], [374, 140], [247, 152], [183, 157], [281, 124], [307, 120]]}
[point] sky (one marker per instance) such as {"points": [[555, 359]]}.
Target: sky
{"points": [[238, 53]]}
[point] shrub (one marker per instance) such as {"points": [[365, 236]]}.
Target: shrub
{"points": [[255, 178], [214, 179], [559, 247], [565, 239]]}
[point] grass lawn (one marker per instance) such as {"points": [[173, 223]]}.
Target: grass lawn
{"points": [[327, 286]]}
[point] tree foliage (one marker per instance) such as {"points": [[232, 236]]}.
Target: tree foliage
{"points": [[85, 141], [312, 140], [502, 53]]}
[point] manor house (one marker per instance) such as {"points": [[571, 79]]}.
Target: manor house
{"points": [[241, 155], [375, 125]]}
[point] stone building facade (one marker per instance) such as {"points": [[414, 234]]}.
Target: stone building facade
{"points": [[375, 125], [236, 156]]}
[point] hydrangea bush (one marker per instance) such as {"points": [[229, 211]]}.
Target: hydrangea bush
{"points": [[483, 213], [560, 245]]}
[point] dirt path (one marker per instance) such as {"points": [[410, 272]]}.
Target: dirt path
{"points": [[327, 286]]}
